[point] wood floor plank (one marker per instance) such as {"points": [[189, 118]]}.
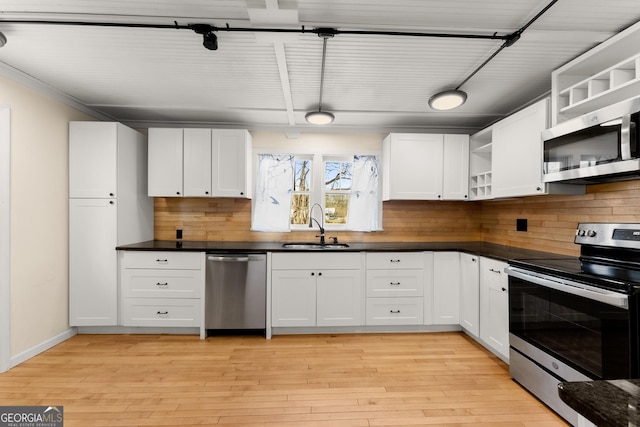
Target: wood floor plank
{"points": [[351, 380]]}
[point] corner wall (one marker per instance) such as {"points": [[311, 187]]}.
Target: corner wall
{"points": [[39, 280]]}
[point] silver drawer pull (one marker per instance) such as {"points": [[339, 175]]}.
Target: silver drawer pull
{"points": [[394, 283], [394, 311], [162, 261], [495, 271], [162, 284], [162, 313], [394, 260]]}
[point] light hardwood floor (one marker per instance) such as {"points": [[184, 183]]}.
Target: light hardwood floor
{"points": [[435, 379]]}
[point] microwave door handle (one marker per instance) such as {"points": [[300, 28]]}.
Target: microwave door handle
{"points": [[612, 298], [626, 136]]}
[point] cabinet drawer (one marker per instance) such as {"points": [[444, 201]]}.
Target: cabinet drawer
{"points": [[137, 282], [316, 261], [161, 312], [395, 283], [162, 259], [395, 311], [394, 260]]}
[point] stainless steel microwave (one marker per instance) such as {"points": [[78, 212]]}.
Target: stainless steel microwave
{"points": [[596, 147]]}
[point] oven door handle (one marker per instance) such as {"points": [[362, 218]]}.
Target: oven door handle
{"points": [[608, 297]]}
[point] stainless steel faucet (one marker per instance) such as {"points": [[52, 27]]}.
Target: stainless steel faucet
{"points": [[321, 226]]}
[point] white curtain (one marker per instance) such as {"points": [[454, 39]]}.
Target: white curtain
{"points": [[274, 187], [364, 202]]}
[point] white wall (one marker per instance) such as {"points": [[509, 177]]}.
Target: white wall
{"points": [[39, 282]]}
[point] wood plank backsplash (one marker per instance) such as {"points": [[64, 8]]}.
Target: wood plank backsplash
{"points": [[552, 220]]}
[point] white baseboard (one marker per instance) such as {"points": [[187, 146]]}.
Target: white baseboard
{"points": [[43, 346]]}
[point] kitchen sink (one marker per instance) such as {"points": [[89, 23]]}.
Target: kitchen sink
{"points": [[314, 245]]}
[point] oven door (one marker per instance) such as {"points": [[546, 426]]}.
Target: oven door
{"points": [[586, 328]]}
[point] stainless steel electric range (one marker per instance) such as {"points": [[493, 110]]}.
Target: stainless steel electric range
{"points": [[576, 319]]}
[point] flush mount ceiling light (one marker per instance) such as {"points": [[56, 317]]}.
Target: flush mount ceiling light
{"points": [[450, 99], [322, 117], [447, 100]]}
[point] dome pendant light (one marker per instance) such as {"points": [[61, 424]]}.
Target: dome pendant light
{"points": [[321, 117]]}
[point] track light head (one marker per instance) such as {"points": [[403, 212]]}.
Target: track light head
{"points": [[210, 41]]}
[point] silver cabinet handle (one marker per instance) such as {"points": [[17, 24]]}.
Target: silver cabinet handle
{"points": [[394, 260], [162, 284], [394, 283], [162, 313], [162, 261], [394, 311], [495, 271]]}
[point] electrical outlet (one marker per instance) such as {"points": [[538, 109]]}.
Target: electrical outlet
{"points": [[179, 234], [521, 224]]}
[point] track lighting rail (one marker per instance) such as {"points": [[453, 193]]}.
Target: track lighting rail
{"points": [[227, 28]]}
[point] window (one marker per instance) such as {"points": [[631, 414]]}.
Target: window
{"points": [[347, 188]]}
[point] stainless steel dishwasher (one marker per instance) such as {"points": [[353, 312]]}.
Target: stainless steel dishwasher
{"points": [[235, 292]]}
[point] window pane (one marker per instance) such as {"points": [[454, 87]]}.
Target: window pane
{"points": [[300, 209], [302, 180], [337, 175], [337, 206]]}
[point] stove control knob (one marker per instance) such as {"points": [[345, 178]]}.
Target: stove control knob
{"points": [[581, 233], [591, 233]]}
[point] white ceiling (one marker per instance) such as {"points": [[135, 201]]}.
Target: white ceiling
{"points": [[147, 76]]}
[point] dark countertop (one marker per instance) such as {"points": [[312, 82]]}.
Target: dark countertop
{"points": [[490, 250], [606, 403]]}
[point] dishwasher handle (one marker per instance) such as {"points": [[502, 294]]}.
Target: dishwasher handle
{"points": [[225, 258]]}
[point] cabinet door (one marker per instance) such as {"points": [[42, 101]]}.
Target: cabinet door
{"points": [[446, 288], [413, 166], [470, 293], [517, 152], [293, 298], [93, 262], [455, 178], [93, 159], [165, 162], [197, 162], [339, 298], [494, 305], [230, 160]]}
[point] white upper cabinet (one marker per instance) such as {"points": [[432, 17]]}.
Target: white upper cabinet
{"points": [[197, 162], [455, 177], [93, 156], [506, 158], [165, 162], [604, 75], [517, 152], [231, 160], [425, 166]]}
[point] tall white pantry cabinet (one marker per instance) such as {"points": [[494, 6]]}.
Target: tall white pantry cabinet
{"points": [[108, 207]]}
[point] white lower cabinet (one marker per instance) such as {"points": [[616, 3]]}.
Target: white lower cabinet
{"points": [[395, 288], [446, 288], [309, 289], [494, 306], [395, 311], [161, 288], [470, 294]]}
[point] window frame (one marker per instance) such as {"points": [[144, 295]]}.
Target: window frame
{"points": [[317, 193]]}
